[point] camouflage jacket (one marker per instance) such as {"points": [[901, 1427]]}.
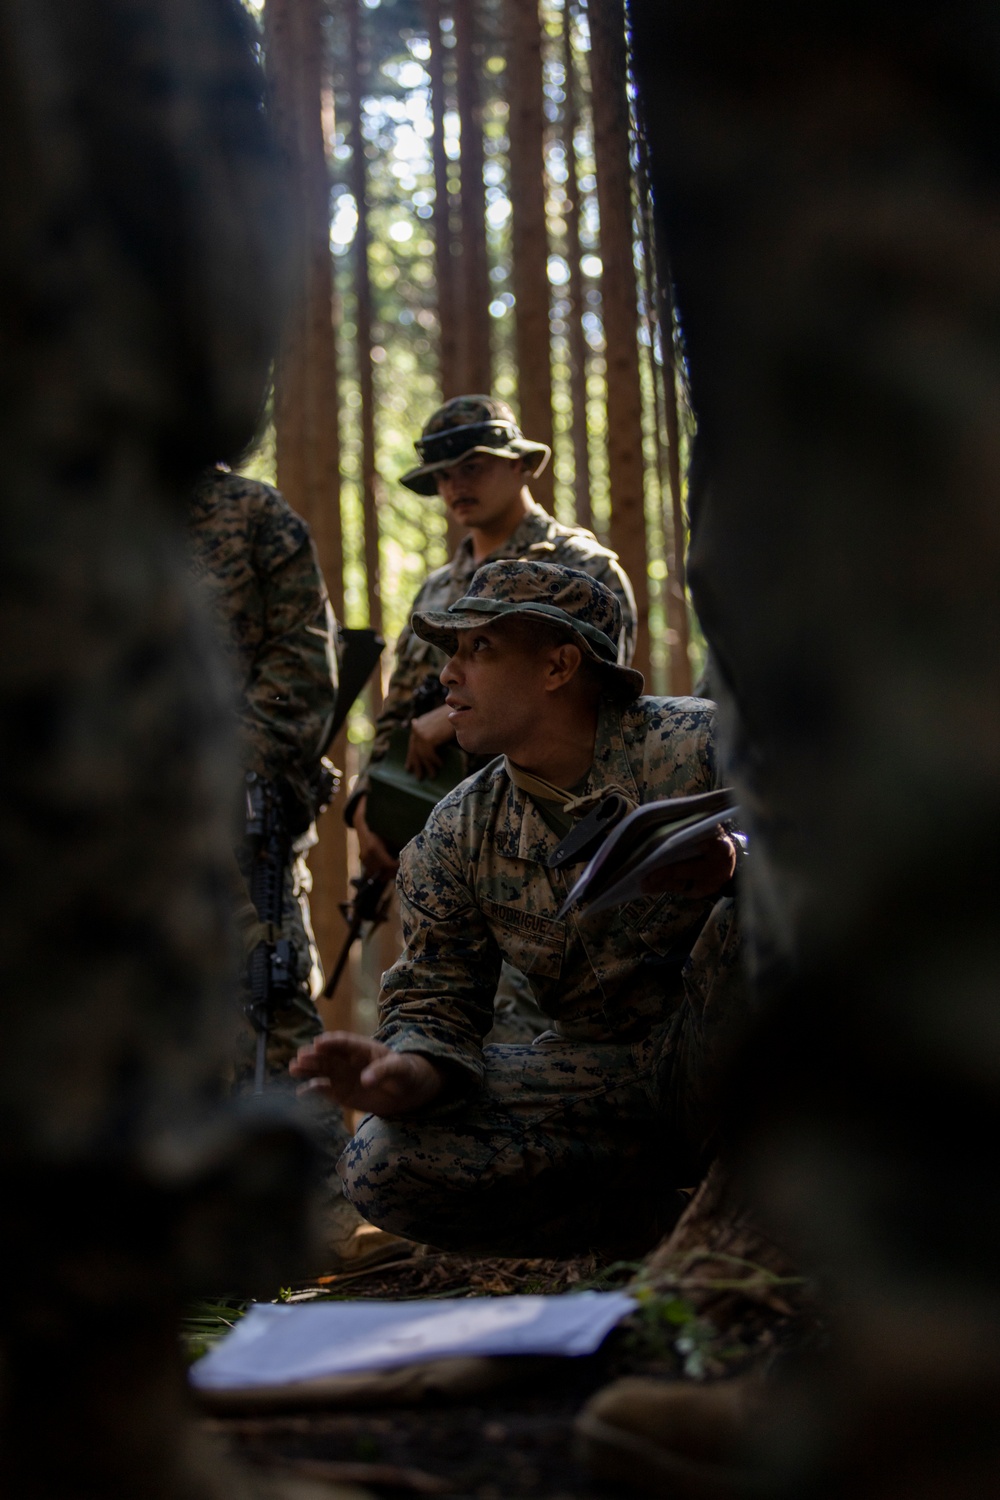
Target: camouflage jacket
{"points": [[539, 538], [474, 890], [255, 559]]}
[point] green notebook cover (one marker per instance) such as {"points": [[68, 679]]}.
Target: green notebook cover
{"points": [[398, 804]]}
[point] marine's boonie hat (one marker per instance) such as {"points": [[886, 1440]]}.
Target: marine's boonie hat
{"points": [[542, 591], [464, 425]]}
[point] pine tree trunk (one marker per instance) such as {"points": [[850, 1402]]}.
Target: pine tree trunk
{"points": [[529, 278], [673, 526], [363, 321], [306, 405], [663, 373], [475, 369], [444, 256], [620, 303], [574, 253]]}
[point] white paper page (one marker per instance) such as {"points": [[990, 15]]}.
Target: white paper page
{"points": [[278, 1345]]}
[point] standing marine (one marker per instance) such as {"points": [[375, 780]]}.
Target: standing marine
{"points": [[255, 561]]}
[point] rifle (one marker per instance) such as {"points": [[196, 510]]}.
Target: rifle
{"points": [[372, 894], [274, 819]]}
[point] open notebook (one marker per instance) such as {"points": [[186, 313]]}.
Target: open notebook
{"points": [[652, 836]]}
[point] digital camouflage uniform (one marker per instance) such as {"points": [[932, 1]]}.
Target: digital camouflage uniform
{"points": [[577, 1139], [539, 538], [255, 560]]}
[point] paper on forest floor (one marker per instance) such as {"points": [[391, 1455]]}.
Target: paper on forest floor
{"points": [[277, 1345]]}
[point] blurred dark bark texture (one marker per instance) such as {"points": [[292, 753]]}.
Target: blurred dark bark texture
{"points": [[141, 272], [827, 178]]}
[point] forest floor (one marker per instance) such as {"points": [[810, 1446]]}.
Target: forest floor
{"points": [[711, 1301]]}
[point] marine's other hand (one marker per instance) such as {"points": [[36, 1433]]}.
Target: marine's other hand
{"points": [[428, 732], [711, 866], [358, 1073], [375, 855]]}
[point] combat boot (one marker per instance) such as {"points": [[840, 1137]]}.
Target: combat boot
{"points": [[674, 1439]]}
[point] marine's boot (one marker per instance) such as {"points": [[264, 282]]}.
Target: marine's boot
{"points": [[673, 1439], [891, 1415]]}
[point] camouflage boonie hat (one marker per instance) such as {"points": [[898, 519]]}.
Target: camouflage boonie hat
{"points": [[464, 425], [544, 591]]}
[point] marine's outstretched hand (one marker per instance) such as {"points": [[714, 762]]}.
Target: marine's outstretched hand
{"points": [[359, 1073]]}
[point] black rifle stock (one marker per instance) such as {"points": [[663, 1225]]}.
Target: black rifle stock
{"points": [[371, 900]]}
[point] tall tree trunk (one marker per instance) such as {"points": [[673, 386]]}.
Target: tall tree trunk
{"points": [[444, 256], [530, 279], [620, 302], [675, 530], [447, 246], [574, 253], [663, 373], [475, 369], [363, 320], [306, 405]]}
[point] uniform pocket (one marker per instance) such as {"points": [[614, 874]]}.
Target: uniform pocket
{"points": [[533, 943], [666, 925]]}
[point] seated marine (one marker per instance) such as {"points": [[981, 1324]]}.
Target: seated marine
{"points": [[582, 1138]]}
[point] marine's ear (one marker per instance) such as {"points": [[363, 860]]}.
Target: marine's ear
{"points": [[564, 660]]}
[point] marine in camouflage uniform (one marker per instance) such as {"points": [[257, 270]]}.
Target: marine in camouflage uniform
{"points": [[580, 1138], [256, 562], [483, 424]]}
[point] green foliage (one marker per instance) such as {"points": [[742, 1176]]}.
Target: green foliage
{"points": [[205, 1323], [666, 1328]]}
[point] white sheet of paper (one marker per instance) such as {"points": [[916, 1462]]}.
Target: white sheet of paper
{"points": [[277, 1345]]}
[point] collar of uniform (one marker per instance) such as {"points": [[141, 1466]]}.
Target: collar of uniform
{"points": [[524, 834], [533, 528]]}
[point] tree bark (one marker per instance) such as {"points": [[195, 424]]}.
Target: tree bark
{"points": [[674, 529], [475, 367], [620, 303], [444, 248], [574, 252], [660, 321], [363, 321], [530, 240], [306, 404]]}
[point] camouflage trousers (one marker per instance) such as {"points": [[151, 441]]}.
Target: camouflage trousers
{"points": [[569, 1145], [516, 1017]]}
